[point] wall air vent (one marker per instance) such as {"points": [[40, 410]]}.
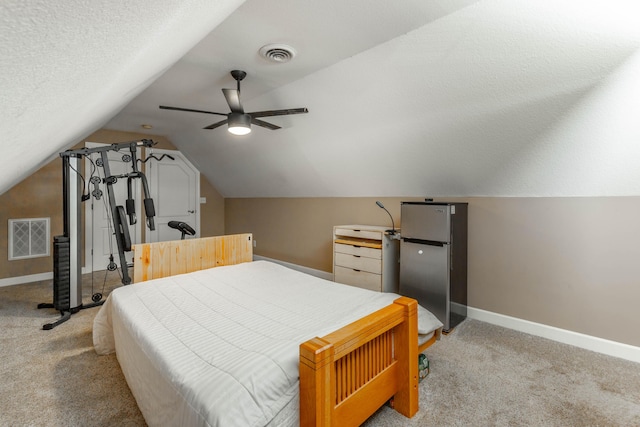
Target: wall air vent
{"points": [[28, 238], [279, 53]]}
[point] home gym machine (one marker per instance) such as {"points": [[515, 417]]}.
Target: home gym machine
{"points": [[67, 269]]}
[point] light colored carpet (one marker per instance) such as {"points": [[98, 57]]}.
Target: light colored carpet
{"points": [[55, 378], [486, 375], [481, 375]]}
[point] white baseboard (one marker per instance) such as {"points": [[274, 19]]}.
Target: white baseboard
{"points": [[588, 342], [311, 271], [9, 281]]}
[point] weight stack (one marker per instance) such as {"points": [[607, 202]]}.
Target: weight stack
{"points": [[61, 273]]}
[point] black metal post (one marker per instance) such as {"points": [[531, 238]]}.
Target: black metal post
{"points": [[115, 216]]}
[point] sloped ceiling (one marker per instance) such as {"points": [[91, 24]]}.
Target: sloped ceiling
{"points": [[408, 98], [68, 67]]}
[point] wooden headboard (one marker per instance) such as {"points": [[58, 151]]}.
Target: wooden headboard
{"points": [[162, 259]]}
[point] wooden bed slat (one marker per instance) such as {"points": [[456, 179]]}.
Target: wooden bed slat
{"points": [[350, 372], [161, 260], [436, 336], [209, 254]]}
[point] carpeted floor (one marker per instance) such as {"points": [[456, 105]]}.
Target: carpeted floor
{"points": [[55, 378], [481, 375]]}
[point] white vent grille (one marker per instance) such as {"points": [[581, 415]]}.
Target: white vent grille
{"points": [[278, 52], [28, 238]]}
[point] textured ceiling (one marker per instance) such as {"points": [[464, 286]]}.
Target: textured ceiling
{"points": [[409, 98], [68, 67]]}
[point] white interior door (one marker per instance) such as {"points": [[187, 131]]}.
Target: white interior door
{"points": [[175, 188], [100, 240]]}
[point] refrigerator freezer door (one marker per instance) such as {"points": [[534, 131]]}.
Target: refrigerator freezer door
{"points": [[426, 222], [424, 276]]}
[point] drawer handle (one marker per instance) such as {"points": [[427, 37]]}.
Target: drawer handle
{"points": [[355, 269], [356, 230], [357, 246], [357, 256]]}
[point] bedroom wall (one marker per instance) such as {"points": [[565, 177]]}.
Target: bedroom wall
{"points": [[567, 262], [40, 195]]}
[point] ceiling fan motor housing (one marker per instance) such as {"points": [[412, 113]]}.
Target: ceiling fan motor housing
{"points": [[241, 119]]}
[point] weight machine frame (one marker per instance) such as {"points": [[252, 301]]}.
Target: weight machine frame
{"points": [[67, 280]]}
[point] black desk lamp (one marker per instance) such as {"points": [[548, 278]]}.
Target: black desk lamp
{"points": [[393, 227]]}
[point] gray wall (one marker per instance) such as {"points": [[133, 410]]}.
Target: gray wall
{"points": [[572, 263]]}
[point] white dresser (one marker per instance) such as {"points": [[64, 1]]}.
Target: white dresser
{"points": [[366, 256]]}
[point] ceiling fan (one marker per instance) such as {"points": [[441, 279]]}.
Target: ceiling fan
{"points": [[239, 121]]}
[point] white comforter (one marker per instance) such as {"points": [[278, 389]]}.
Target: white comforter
{"points": [[224, 342]]}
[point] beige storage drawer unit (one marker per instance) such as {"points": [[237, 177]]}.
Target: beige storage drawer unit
{"points": [[366, 256]]}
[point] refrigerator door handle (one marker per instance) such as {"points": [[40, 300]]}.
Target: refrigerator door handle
{"points": [[423, 242]]}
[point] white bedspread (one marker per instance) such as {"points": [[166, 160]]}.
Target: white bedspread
{"points": [[219, 347]]}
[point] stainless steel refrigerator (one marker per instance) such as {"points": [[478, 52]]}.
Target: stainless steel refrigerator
{"points": [[433, 258]]}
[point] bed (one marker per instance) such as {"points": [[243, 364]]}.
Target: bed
{"points": [[254, 343]]}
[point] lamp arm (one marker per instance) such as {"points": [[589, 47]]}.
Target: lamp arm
{"points": [[393, 227]]}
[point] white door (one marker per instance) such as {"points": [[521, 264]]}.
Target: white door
{"points": [[100, 240], [175, 188]]}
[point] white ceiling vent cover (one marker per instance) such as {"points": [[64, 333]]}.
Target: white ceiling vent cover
{"points": [[279, 53]]}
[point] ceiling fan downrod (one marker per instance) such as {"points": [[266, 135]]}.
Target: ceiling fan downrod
{"points": [[238, 75]]}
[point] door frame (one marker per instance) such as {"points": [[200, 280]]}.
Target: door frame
{"points": [[154, 192]]}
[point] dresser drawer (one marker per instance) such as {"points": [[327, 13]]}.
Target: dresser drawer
{"points": [[359, 234], [365, 256], [372, 265], [361, 279], [357, 250]]}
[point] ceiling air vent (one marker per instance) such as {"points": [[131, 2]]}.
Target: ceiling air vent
{"points": [[280, 53]]}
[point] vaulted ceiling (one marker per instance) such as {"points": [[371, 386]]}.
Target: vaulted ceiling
{"points": [[406, 98]]}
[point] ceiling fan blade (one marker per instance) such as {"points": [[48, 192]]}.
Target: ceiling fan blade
{"points": [[217, 124], [233, 99], [164, 107], [279, 112], [264, 124]]}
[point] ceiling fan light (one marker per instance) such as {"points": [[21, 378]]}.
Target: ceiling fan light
{"points": [[239, 130], [239, 124]]}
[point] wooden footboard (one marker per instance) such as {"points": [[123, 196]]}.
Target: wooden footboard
{"points": [[349, 374]]}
